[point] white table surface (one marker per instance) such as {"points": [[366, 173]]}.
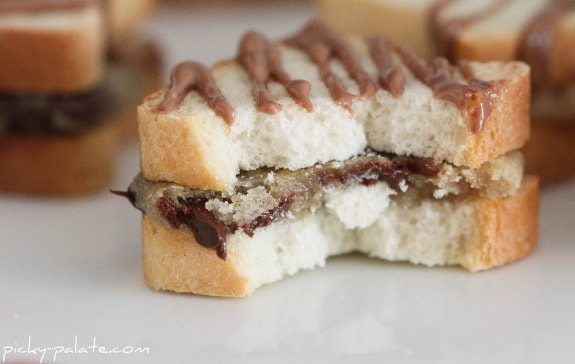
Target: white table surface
{"points": [[71, 275]]}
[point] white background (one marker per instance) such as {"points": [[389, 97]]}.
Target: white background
{"points": [[70, 271]]}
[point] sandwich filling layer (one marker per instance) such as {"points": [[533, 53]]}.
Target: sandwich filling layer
{"points": [[264, 196]]}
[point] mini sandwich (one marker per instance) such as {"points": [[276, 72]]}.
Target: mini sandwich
{"points": [[319, 145], [538, 32], [71, 75]]}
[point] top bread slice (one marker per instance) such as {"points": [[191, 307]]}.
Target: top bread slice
{"points": [[481, 30], [191, 145], [51, 48], [60, 46]]}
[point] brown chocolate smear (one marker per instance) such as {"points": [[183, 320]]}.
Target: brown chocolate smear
{"points": [[538, 38], [391, 77], [269, 216], [261, 59], [476, 97], [445, 33], [321, 44], [188, 76], [208, 231], [54, 114]]}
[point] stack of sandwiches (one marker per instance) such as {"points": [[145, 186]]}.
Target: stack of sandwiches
{"points": [[538, 32], [322, 144], [71, 75]]}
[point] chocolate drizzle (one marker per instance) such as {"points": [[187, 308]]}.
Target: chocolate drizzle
{"points": [[321, 44], [390, 77], [261, 60], [476, 98], [188, 76]]}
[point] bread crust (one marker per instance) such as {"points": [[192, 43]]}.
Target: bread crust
{"points": [[52, 58], [59, 165], [509, 228], [173, 260]]}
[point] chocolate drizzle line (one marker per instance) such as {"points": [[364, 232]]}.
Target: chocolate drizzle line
{"points": [[477, 96], [390, 77], [188, 76], [261, 59], [321, 44], [537, 40]]}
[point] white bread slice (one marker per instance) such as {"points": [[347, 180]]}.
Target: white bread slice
{"points": [[474, 232], [59, 51], [194, 147]]}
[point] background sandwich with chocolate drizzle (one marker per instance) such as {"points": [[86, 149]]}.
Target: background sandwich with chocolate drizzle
{"points": [[540, 33], [71, 75]]}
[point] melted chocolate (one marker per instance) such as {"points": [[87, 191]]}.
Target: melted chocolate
{"points": [[188, 76], [321, 44], [476, 96], [59, 114], [269, 216], [208, 231]]}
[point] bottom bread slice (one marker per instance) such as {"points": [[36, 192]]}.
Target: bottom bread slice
{"points": [[474, 232], [59, 164]]}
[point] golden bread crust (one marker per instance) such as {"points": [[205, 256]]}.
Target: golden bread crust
{"points": [[174, 261], [509, 228], [507, 128]]}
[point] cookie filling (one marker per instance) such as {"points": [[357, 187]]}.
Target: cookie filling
{"points": [[264, 196]]}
